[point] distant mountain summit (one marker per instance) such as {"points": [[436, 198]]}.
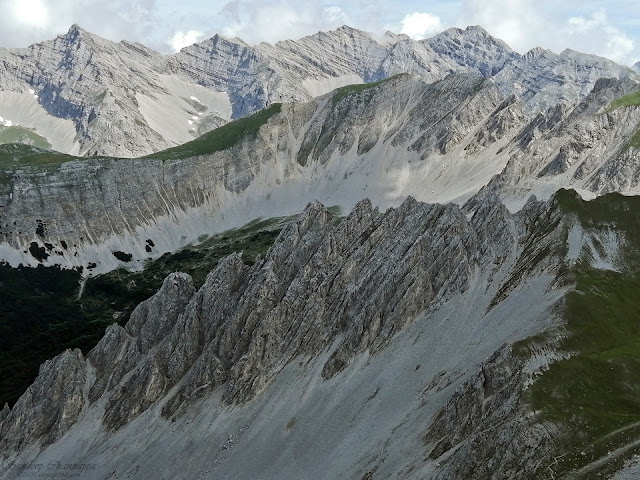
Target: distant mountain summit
{"points": [[487, 333], [85, 95]]}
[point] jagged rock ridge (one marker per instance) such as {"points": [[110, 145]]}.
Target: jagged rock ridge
{"points": [[324, 303], [401, 137], [87, 95], [437, 142]]}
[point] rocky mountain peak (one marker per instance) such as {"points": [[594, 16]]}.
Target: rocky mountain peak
{"points": [[350, 31], [221, 39], [478, 30], [76, 35], [75, 30], [113, 98], [391, 37], [472, 34], [536, 53], [474, 48]]}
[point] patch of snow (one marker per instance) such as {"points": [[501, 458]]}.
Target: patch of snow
{"points": [[581, 242]]}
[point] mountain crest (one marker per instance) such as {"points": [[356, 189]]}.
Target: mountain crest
{"points": [[235, 79], [76, 34]]}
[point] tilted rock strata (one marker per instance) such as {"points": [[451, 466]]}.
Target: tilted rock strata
{"points": [[322, 291], [436, 142], [402, 137], [590, 147], [123, 99]]}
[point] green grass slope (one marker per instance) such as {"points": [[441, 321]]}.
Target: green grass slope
{"points": [[17, 155], [630, 100], [595, 393], [18, 134], [222, 137]]}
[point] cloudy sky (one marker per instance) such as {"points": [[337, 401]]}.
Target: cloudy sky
{"points": [[609, 28]]}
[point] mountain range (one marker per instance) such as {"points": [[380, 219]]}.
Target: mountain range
{"points": [[472, 315], [81, 94]]}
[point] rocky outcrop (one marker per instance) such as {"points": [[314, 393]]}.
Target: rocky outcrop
{"points": [[361, 282], [485, 430], [502, 121], [591, 147], [542, 79], [386, 141], [50, 406], [335, 297], [121, 349], [123, 99]]}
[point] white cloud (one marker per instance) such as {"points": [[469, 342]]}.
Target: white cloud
{"points": [[598, 35], [24, 22], [524, 24], [516, 22], [31, 13], [335, 15], [268, 21], [180, 40], [421, 25]]}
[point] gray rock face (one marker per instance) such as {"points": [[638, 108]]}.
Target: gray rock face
{"points": [[246, 323], [50, 406], [123, 99], [542, 79], [384, 141], [436, 142], [483, 432], [473, 48], [590, 146], [485, 429], [323, 295]]}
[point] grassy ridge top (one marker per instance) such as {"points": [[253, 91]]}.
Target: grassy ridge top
{"points": [[222, 137], [348, 90], [629, 100], [17, 155]]}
